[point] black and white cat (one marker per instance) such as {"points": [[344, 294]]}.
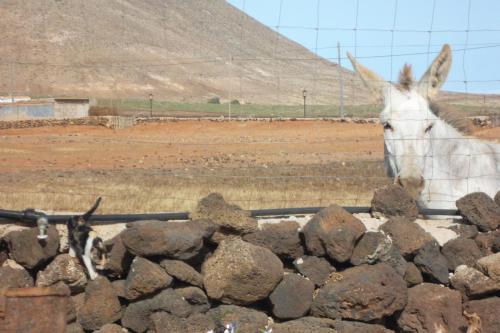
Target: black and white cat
{"points": [[84, 242]]}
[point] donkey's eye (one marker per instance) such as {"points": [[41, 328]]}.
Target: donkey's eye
{"points": [[387, 126], [427, 130]]}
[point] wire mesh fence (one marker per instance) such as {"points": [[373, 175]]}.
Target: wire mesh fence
{"points": [[213, 58]]}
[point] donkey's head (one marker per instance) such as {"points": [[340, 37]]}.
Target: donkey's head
{"points": [[409, 124]]}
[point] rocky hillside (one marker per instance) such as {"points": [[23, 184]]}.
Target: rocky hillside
{"points": [[185, 50]]}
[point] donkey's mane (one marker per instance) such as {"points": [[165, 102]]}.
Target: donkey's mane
{"points": [[451, 117], [405, 78]]}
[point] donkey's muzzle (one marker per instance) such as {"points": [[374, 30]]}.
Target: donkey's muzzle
{"points": [[413, 185]]}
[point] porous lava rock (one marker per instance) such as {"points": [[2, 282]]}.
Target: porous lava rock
{"points": [[145, 277], [137, 314], [432, 263], [490, 265], [13, 275], [292, 297], [487, 309], [316, 269], [364, 293], [461, 251], [226, 216], [30, 252], [164, 322], [241, 273], [66, 269], [281, 238], [472, 283], [245, 319], [333, 232], [432, 308], [406, 235], [479, 209], [393, 201], [100, 305], [174, 240], [182, 272]]}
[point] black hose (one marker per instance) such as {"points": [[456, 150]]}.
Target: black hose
{"points": [[30, 215]]}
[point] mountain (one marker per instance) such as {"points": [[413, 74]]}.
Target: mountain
{"points": [[181, 50]]}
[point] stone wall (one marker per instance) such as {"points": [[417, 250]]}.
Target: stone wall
{"points": [[222, 267]]}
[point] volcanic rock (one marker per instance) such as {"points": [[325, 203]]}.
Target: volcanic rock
{"points": [[393, 201], [364, 293], [432, 308], [479, 209], [334, 232], [292, 297], [241, 273]]}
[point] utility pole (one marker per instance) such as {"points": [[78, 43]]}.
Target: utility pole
{"points": [[341, 82], [151, 105], [304, 94]]}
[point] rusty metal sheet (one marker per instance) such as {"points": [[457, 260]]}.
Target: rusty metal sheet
{"points": [[33, 310]]}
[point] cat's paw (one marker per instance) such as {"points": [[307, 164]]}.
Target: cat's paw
{"points": [[93, 275]]}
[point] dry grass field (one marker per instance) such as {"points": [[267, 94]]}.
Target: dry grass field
{"points": [[169, 166]]}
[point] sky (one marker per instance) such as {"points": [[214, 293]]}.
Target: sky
{"points": [[373, 30]]}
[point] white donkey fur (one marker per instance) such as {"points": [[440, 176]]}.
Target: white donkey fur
{"points": [[425, 154]]}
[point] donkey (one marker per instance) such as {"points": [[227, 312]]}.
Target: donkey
{"points": [[427, 149]]}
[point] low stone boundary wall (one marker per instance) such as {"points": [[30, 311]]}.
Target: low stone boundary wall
{"points": [[335, 273]]}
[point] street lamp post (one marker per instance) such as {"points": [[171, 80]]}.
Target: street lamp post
{"points": [[304, 94], [151, 105]]}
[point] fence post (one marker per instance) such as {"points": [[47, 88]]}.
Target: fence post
{"points": [[341, 83]]}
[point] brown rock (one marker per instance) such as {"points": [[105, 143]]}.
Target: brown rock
{"points": [[334, 232], [137, 315], [182, 272], [366, 247], [479, 209], [363, 293], [30, 252], [487, 309], [144, 278], [241, 273], [473, 283], [245, 319], [324, 325], [231, 217], [66, 269], [412, 275], [432, 263], [175, 240], [407, 236], [432, 308], [394, 201], [74, 328], [485, 241], [13, 275], [490, 265], [164, 322], [196, 298], [314, 268], [461, 251], [292, 297], [101, 305], [119, 288], [497, 198], [111, 328], [281, 238], [119, 259]]}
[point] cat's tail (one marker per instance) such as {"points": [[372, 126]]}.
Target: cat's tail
{"points": [[91, 211]]}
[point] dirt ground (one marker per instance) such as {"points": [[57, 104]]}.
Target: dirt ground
{"points": [[169, 166]]}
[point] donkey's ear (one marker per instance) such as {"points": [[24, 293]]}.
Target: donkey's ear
{"points": [[436, 74], [372, 81]]}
